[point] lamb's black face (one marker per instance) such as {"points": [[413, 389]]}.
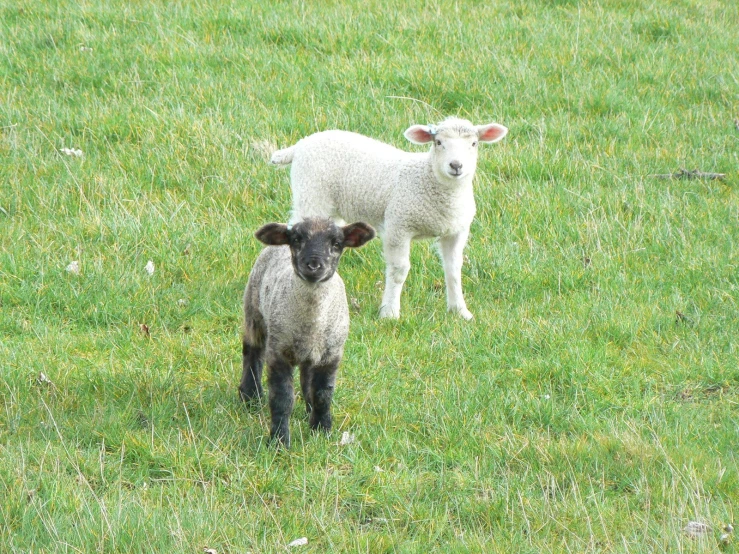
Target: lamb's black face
{"points": [[316, 244]]}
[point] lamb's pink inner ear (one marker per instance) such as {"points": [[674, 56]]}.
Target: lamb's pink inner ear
{"points": [[272, 234], [491, 133], [418, 134], [357, 234]]}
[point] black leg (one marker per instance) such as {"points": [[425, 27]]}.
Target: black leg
{"points": [[306, 375], [281, 399], [322, 390], [251, 377]]}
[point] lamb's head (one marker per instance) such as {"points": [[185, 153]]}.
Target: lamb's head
{"points": [[316, 244], [454, 145]]}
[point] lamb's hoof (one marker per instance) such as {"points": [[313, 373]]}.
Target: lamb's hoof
{"points": [[464, 313], [250, 396], [388, 312], [279, 438]]}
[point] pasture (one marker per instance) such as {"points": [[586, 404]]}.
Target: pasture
{"points": [[592, 405]]}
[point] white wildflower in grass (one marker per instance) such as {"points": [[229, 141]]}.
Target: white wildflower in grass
{"points": [[182, 302], [302, 541], [75, 152], [149, 267], [346, 438], [74, 267], [85, 49]]}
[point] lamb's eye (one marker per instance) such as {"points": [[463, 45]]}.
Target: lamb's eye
{"points": [[338, 246], [474, 144], [438, 142]]}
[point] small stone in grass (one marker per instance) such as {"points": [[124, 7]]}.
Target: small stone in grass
{"points": [[302, 541], [696, 529], [726, 537], [149, 267], [43, 379]]}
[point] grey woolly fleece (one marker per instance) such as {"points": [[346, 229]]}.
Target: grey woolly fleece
{"points": [[304, 322]]}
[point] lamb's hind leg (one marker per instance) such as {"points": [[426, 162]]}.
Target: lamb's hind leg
{"points": [[452, 247], [251, 376], [397, 258]]}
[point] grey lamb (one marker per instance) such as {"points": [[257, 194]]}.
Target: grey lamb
{"points": [[296, 314]]}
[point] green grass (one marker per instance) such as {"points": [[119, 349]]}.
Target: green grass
{"points": [[578, 412]]}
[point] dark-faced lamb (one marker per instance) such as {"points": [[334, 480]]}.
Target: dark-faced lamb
{"points": [[296, 314], [404, 195]]}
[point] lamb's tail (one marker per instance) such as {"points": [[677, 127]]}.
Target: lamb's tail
{"points": [[284, 156]]}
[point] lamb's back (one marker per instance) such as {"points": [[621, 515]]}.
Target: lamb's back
{"points": [[356, 175]]}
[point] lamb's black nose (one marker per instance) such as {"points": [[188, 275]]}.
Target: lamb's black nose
{"points": [[455, 165], [314, 264]]}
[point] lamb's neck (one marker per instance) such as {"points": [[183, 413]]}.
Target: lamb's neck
{"points": [[442, 184], [308, 298]]}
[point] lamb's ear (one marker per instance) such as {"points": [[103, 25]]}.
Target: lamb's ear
{"points": [[357, 234], [419, 134], [273, 234], [491, 133]]}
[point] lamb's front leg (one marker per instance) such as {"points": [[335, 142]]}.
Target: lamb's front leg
{"points": [[452, 248], [306, 376], [322, 390], [397, 258], [281, 398]]}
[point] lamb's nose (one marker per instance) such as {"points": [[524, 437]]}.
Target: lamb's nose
{"points": [[314, 264], [455, 165]]}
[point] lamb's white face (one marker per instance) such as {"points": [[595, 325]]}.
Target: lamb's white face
{"points": [[454, 156], [454, 145]]}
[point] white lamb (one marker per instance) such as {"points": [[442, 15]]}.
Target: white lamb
{"points": [[404, 195]]}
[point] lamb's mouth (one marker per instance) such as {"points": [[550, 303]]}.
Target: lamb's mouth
{"points": [[314, 278]]}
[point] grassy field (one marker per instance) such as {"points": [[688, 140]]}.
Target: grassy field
{"points": [[592, 405]]}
